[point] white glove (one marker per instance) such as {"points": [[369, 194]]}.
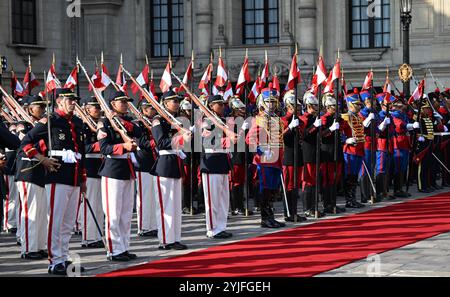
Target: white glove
{"points": [[368, 120], [318, 123], [384, 124], [268, 154], [448, 122], [245, 126], [445, 129], [335, 126], [350, 141], [294, 124], [421, 139], [193, 129], [416, 125], [437, 115]]}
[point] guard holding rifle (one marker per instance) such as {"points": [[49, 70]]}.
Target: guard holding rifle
{"points": [[116, 135], [60, 137]]}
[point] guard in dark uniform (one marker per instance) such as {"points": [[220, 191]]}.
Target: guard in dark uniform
{"points": [[10, 221], [290, 125], [330, 168], [311, 122], [30, 181], [168, 170], [215, 165], [118, 178], [237, 177], [64, 180], [146, 155], [91, 238]]}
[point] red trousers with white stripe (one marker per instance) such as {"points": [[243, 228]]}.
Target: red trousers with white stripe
{"points": [[89, 230], [11, 204], [168, 208], [146, 202], [117, 196], [33, 234], [217, 202], [63, 202]]}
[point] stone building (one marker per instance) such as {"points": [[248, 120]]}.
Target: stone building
{"points": [[367, 32]]}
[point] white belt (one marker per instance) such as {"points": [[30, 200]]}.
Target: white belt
{"points": [[30, 160], [124, 157], [211, 151], [8, 150], [178, 153], [68, 157], [442, 134], [94, 156]]}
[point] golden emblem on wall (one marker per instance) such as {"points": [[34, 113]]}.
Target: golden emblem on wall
{"points": [[405, 72]]}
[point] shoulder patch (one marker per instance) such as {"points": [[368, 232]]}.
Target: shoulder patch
{"points": [[43, 121], [156, 122]]}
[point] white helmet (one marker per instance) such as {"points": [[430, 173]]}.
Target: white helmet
{"points": [[310, 99], [185, 105], [328, 100], [235, 103], [289, 99]]}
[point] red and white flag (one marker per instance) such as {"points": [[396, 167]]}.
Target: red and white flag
{"points": [[188, 75], [16, 87], [72, 80], [254, 93], [121, 80], [142, 79], [321, 72], [222, 76], [96, 80], [335, 74], [105, 79], [368, 81], [276, 84], [166, 81], [387, 86], [206, 78], [418, 93], [29, 81], [52, 81], [294, 75], [264, 78], [228, 92], [244, 78]]}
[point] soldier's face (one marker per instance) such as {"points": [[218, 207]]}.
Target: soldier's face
{"points": [[37, 111], [368, 103], [331, 109], [148, 111], [218, 108], [94, 111], [173, 106], [67, 105], [120, 106]]}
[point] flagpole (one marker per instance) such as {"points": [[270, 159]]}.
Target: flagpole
{"points": [[296, 141], [78, 79], [29, 75], [147, 63], [373, 144], [191, 202], [318, 146], [337, 132], [388, 115], [54, 90], [246, 151]]}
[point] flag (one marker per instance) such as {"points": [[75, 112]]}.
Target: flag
{"points": [[418, 93], [254, 93], [228, 92], [105, 79], [334, 74], [188, 74], [264, 78], [206, 78], [244, 77], [321, 72], [222, 76], [166, 81], [52, 82], [121, 80], [72, 80], [29, 81], [276, 84], [294, 75], [16, 87], [142, 79], [368, 81], [96, 80]]}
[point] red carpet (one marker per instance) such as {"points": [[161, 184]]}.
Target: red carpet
{"points": [[310, 250]]}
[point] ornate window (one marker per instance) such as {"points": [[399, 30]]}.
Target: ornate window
{"points": [[260, 21], [24, 23]]}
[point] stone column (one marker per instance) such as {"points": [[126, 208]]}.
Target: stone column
{"points": [[221, 39], [204, 28], [307, 24]]}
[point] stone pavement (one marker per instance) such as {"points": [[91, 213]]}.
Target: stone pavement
{"points": [[426, 258]]}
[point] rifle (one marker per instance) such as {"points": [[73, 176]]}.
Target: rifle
{"points": [[6, 116], [16, 108], [87, 119], [116, 122], [158, 106]]}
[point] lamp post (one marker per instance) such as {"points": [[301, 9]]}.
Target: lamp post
{"points": [[405, 16]]}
